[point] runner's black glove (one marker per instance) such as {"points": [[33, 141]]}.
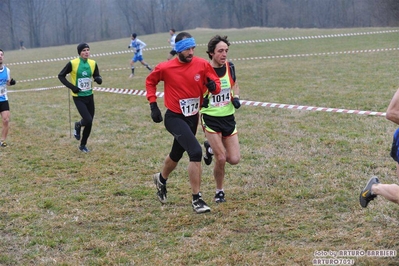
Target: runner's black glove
{"points": [[98, 80], [236, 102], [205, 102], [128, 47], [75, 89], [211, 85], [155, 113], [137, 50], [12, 82]]}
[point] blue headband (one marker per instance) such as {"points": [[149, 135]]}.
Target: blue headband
{"points": [[184, 44]]}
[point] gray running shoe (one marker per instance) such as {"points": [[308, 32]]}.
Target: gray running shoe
{"points": [[161, 188], [84, 149], [365, 195]]}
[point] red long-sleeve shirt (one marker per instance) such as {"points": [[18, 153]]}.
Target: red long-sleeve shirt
{"points": [[181, 81]]}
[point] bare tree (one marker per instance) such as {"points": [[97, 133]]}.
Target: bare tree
{"points": [[386, 13], [165, 9], [169, 12], [140, 15], [8, 24], [34, 18], [104, 20], [66, 14], [127, 8], [49, 22], [261, 12], [147, 16]]}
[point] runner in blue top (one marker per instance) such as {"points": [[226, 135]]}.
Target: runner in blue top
{"points": [[138, 47], [171, 41], [5, 80], [374, 187]]}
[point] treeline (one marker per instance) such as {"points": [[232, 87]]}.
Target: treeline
{"points": [[41, 23]]}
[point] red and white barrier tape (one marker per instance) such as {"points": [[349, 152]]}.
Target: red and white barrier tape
{"points": [[243, 102], [127, 91], [252, 58], [262, 104], [312, 108], [317, 54], [233, 42], [36, 89]]}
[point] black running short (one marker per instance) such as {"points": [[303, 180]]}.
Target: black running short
{"points": [[4, 106], [226, 125]]}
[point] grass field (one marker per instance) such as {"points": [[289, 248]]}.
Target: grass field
{"points": [[293, 195]]}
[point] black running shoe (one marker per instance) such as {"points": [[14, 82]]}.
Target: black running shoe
{"points": [[161, 188], [219, 197], [208, 155], [77, 130], [199, 205], [365, 195]]}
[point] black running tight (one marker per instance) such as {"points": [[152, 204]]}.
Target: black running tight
{"points": [[183, 130], [86, 109]]}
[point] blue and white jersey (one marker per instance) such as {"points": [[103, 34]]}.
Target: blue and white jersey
{"points": [[173, 41], [138, 45], [4, 77]]}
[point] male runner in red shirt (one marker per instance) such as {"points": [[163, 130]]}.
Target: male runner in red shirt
{"points": [[186, 79]]}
